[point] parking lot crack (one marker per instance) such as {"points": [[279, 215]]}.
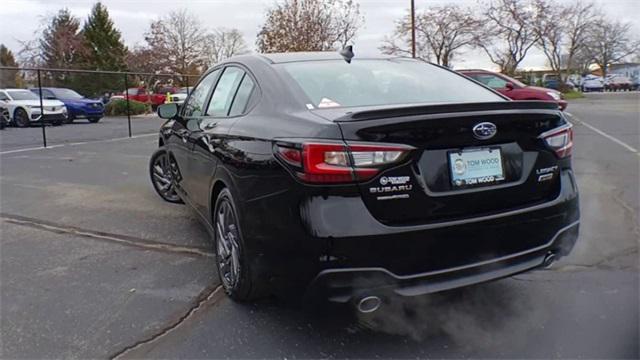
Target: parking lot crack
{"points": [[125, 240], [210, 294]]}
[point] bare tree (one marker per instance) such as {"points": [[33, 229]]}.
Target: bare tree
{"points": [[309, 25], [442, 31], [562, 33], [609, 42], [509, 32], [177, 41], [223, 43]]}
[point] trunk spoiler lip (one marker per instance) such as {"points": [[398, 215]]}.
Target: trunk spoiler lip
{"points": [[374, 113]]}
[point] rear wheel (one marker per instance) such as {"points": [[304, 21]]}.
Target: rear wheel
{"points": [[162, 176], [69, 119], [239, 279], [94, 120], [21, 118]]}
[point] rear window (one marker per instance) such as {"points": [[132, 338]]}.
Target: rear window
{"points": [[335, 83]]}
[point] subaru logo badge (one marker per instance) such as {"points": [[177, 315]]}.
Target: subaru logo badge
{"points": [[484, 130]]}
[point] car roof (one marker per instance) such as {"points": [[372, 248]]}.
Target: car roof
{"points": [[276, 58]]}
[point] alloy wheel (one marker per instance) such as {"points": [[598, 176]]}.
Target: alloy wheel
{"points": [[162, 178], [227, 243]]}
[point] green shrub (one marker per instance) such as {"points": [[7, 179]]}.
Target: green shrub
{"points": [[570, 95], [118, 107]]}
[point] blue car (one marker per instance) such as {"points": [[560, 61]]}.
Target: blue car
{"points": [[77, 105]]}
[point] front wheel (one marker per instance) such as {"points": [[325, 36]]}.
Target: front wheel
{"points": [[240, 281], [21, 118], [162, 176], [94, 120]]}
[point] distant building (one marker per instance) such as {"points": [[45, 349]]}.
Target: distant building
{"points": [[631, 70]]}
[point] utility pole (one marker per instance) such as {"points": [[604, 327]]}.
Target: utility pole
{"points": [[413, 28]]}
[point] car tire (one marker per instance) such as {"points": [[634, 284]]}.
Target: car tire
{"points": [[57, 122], [240, 280], [69, 119], [21, 118], [161, 176], [94, 120]]}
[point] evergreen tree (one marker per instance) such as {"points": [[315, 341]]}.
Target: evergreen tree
{"points": [[106, 51], [8, 78]]}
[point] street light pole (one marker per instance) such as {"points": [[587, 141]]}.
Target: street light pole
{"points": [[413, 28]]}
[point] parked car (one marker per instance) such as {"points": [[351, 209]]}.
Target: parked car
{"points": [[78, 106], [551, 81], [360, 179], [4, 113], [24, 108], [592, 83], [514, 89], [180, 96], [141, 94], [635, 83], [4, 116], [618, 83]]}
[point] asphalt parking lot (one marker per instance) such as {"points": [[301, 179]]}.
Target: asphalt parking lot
{"points": [[94, 265]]}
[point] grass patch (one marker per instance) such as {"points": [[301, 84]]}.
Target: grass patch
{"points": [[573, 95]]}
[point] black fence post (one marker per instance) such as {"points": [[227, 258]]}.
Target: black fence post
{"points": [[126, 92], [44, 132]]}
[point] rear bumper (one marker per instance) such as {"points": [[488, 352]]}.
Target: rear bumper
{"points": [[422, 259], [343, 285]]}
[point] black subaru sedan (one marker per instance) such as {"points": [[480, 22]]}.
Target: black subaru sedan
{"points": [[319, 173]]}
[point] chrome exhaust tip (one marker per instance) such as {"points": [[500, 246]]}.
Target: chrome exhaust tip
{"points": [[549, 259], [369, 304]]}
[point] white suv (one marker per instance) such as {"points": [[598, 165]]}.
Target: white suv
{"points": [[23, 107]]}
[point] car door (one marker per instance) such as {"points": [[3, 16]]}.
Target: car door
{"points": [[179, 142], [210, 143]]}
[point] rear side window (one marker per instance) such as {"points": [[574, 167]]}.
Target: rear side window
{"points": [[491, 81], [3, 96], [242, 97], [225, 90], [335, 83]]}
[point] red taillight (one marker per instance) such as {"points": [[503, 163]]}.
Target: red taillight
{"points": [[560, 141], [316, 162]]}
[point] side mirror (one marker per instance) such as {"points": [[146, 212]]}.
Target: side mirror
{"points": [[509, 86], [168, 111]]}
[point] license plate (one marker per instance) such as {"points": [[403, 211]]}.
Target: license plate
{"points": [[476, 167]]}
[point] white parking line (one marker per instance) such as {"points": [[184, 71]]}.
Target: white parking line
{"points": [[76, 144], [614, 139]]}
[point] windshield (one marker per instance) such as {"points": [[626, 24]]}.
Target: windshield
{"points": [[22, 95], [335, 83], [66, 94]]}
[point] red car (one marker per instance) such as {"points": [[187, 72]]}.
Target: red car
{"points": [[142, 94], [514, 89]]}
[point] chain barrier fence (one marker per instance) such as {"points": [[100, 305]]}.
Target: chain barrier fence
{"points": [[42, 107]]}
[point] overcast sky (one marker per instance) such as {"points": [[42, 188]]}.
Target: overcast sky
{"points": [[20, 19]]}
